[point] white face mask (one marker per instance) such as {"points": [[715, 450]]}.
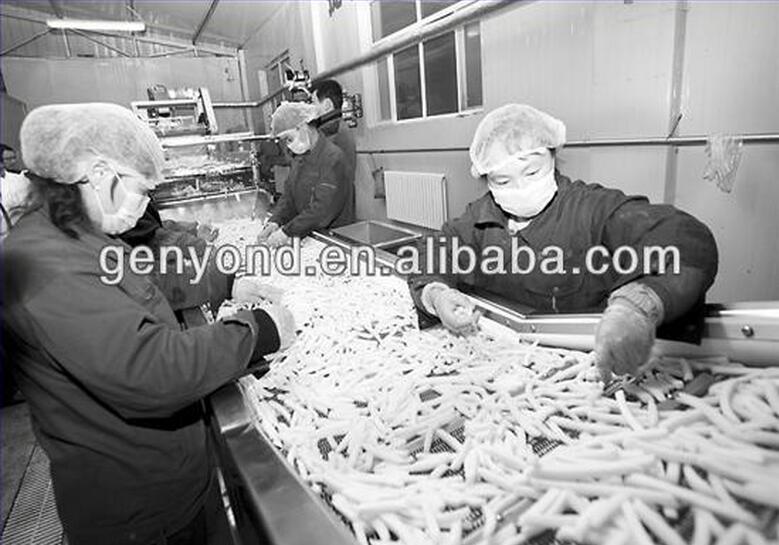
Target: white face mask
{"points": [[126, 216], [528, 201], [301, 144]]}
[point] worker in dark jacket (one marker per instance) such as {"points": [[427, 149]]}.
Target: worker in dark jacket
{"points": [[318, 193], [113, 383], [573, 245], [327, 97]]}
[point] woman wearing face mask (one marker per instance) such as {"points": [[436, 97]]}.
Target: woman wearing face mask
{"points": [[318, 192], [114, 385], [530, 204]]}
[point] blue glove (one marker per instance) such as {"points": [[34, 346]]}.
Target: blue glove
{"points": [[626, 332]]}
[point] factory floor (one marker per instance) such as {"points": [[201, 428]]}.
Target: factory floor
{"points": [[28, 509]]}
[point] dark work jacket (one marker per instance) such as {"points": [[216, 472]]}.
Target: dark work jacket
{"points": [[339, 135], [579, 217], [177, 288], [113, 384], [317, 194]]}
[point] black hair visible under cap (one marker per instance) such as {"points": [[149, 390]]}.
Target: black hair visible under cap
{"points": [[329, 88]]}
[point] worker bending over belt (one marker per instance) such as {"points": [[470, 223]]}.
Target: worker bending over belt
{"points": [[318, 193], [531, 204], [114, 384]]}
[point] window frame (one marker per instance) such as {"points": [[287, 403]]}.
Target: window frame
{"points": [[420, 22], [462, 93]]}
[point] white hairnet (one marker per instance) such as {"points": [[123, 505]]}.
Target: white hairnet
{"points": [[56, 138], [290, 115], [510, 129]]}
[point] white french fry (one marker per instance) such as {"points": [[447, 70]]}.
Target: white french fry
{"points": [[693, 498], [634, 525]]}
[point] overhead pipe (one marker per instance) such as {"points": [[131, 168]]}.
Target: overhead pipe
{"points": [[247, 104], [768, 138]]}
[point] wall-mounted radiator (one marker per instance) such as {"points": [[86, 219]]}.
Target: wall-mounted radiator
{"points": [[418, 198]]}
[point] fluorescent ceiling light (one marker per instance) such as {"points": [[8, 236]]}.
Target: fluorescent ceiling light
{"points": [[91, 24]]}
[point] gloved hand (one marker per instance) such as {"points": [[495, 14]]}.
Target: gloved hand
{"points": [[285, 324], [207, 233], [278, 238], [457, 313], [626, 332], [269, 228], [247, 290]]}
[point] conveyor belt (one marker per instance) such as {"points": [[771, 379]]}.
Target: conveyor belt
{"points": [[33, 518], [681, 521]]}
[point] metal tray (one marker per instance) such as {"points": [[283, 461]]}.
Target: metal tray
{"points": [[376, 234]]}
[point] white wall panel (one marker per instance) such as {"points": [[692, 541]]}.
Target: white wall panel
{"points": [[46, 81], [744, 222]]}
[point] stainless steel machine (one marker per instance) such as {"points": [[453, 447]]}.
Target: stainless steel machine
{"points": [[208, 176]]}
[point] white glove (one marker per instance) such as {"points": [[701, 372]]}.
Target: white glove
{"points": [[626, 332], [248, 290], [269, 228], [285, 324], [455, 310], [206, 232], [278, 238]]}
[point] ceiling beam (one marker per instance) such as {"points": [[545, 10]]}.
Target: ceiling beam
{"points": [[26, 14], [98, 42], [56, 8], [214, 50], [205, 21], [190, 49], [24, 42], [68, 53], [218, 50]]}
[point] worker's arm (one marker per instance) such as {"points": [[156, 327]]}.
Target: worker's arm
{"points": [[640, 225], [183, 292], [328, 200], [435, 274], [131, 360]]}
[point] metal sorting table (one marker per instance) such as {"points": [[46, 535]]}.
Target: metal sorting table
{"points": [[271, 503]]}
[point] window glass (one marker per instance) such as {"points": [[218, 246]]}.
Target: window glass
{"points": [[441, 74], [408, 92], [473, 89], [388, 16]]}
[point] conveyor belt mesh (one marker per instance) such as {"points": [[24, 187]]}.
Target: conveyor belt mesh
{"points": [[33, 518]]}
